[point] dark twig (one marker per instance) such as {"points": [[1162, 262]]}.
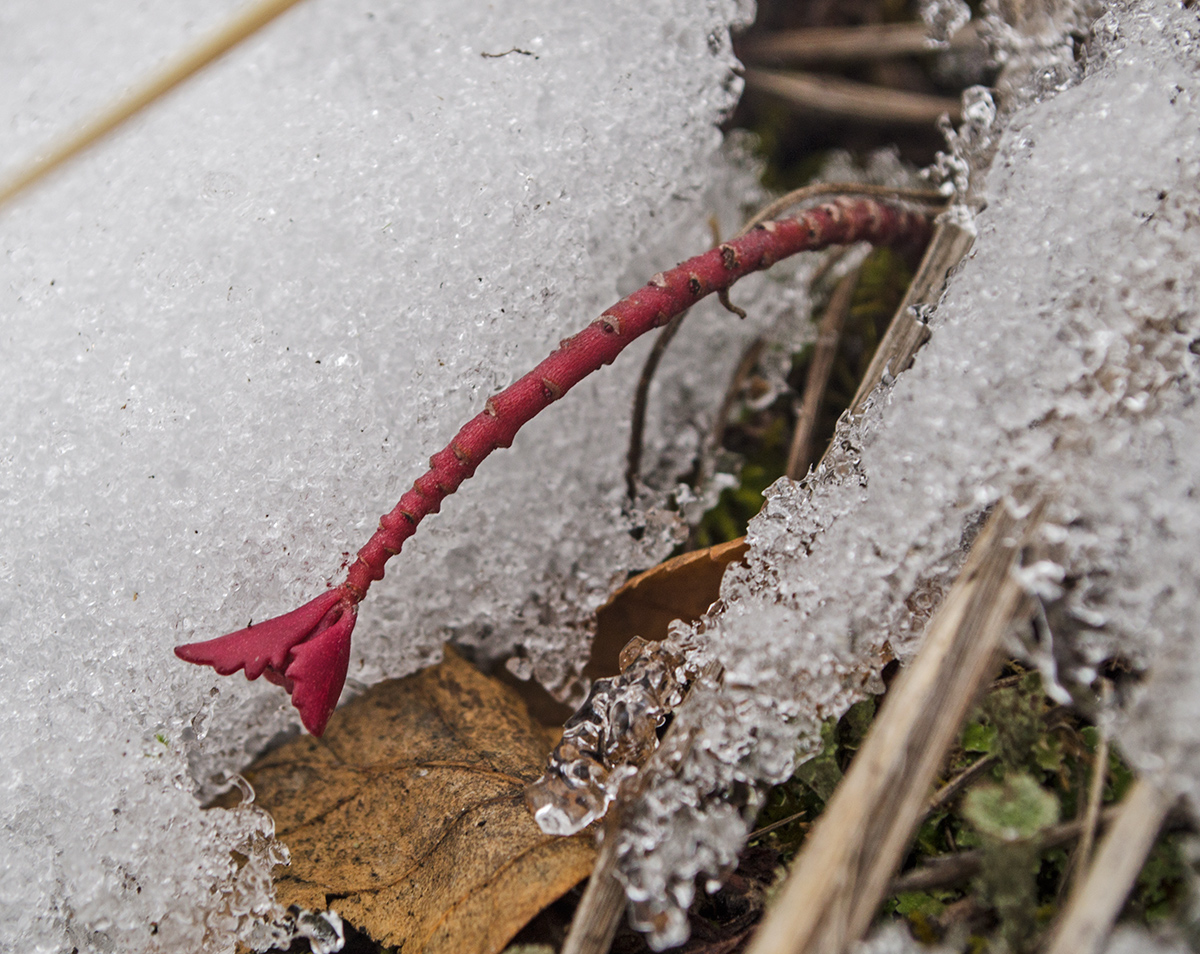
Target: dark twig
{"points": [[829, 336], [1091, 819], [948, 792], [840, 98], [641, 396], [737, 381], [767, 829], [950, 870], [826, 46]]}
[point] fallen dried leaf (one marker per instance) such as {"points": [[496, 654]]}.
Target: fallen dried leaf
{"points": [[681, 588], [408, 816]]}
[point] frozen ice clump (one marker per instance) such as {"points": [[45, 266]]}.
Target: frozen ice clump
{"points": [[1063, 357], [233, 335], [1134, 939], [613, 733], [944, 18]]}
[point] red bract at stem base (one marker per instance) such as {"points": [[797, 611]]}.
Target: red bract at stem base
{"points": [[307, 651]]}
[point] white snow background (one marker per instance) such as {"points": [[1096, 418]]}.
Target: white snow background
{"points": [[360, 187], [232, 335]]}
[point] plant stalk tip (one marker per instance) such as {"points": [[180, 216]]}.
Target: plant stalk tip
{"points": [[306, 651]]}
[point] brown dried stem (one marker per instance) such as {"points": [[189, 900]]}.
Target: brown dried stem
{"points": [[829, 336], [641, 396], [951, 790], [827, 46], [950, 870], [908, 331], [716, 432], [599, 913], [790, 200], [837, 98], [1083, 853]]}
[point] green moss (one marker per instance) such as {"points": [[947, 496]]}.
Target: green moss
{"points": [[1042, 773]]}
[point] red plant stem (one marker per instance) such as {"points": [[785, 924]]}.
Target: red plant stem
{"points": [[839, 222], [307, 651]]}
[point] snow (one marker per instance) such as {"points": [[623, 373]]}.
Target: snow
{"points": [[234, 332], [1062, 360]]}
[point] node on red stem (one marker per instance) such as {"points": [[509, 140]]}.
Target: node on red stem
{"points": [[307, 651]]}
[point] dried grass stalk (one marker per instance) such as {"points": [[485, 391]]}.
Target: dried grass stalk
{"points": [[908, 332], [828, 46], [838, 98], [843, 873], [1097, 900]]}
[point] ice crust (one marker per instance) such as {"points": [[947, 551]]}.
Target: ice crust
{"points": [[1063, 358], [233, 334]]}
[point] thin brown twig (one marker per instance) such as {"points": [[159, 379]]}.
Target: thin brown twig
{"points": [[746, 364], [641, 398], [948, 792], [1091, 818], [598, 916], [767, 829], [1007, 682], [823, 46], [829, 336], [839, 98], [776, 208], [706, 459], [242, 25], [949, 870]]}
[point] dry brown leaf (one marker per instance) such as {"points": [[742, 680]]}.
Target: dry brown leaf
{"points": [[408, 817], [681, 588]]}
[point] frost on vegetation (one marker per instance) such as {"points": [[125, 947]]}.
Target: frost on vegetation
{"points": [[612, 733], [944, 18], [896, 938], [233, 335], [1134, 939], [1063, 359]]}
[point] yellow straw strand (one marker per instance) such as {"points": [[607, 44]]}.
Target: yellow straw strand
{"points": [[244, 24]]}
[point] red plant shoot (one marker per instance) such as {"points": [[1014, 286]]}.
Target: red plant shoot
{"points": [[307, 651]]}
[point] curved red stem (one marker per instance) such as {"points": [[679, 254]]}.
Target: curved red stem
{"points": [[307, 650]]}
